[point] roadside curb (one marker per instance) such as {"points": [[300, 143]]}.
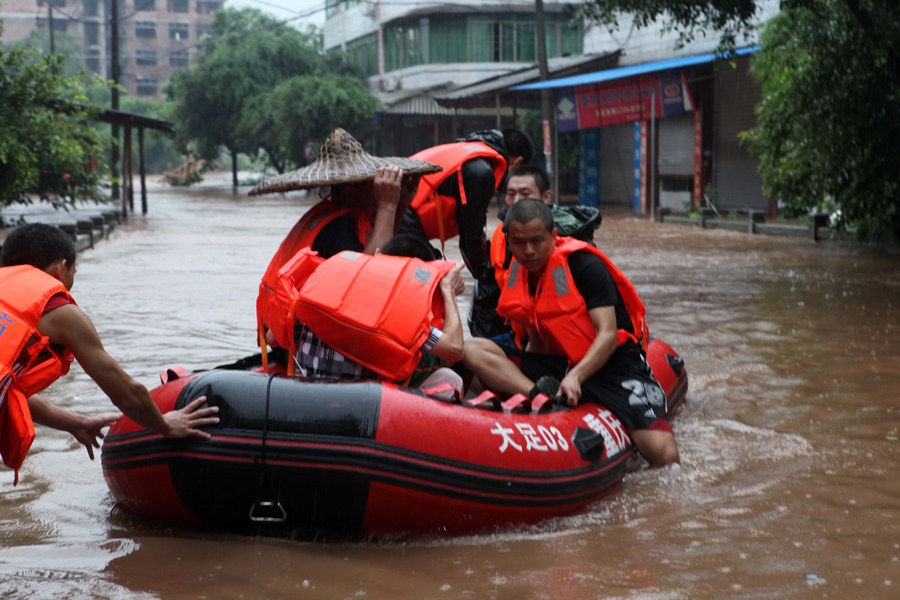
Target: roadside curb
{"points": [[86, 228]]}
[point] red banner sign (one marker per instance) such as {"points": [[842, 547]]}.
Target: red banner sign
{"points": [[632, 100]]}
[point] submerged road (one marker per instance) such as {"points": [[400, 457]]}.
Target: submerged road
{"points": [[789, 437]]}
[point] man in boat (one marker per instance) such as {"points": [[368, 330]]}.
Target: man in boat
{"points": [[41, 331], [362, 211], [585, 331], [347, 334], [577, 221], [454, 202]]}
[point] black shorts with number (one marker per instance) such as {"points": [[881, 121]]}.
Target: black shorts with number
{"points": [[625, 384]]}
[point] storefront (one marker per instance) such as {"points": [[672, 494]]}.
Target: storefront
{"points": [[663, 133]]}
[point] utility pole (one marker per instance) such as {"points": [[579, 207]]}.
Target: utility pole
{"points": [[546, 97], [50, 26], [114, 75]]}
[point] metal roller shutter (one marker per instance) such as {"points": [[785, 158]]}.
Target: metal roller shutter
{"points": [[738, 185], [617, 165]]}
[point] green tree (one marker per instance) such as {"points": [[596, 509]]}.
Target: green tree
{"points": [[281, 124], [65, 44], [830, 74], [47, 146], [730, 18], [827, 125], [243, 73]]}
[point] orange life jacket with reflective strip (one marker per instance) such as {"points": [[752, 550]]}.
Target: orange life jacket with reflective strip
{"points": [[558, 311], [375, 310], [272, 312], [437, 212], [28, 363]]}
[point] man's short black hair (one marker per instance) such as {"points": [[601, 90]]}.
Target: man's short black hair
{"points": [[404, 244], [518, 143], [528, 210], [38, 245], [538, 174]]}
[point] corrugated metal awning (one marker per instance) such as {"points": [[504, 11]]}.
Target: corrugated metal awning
{"points": [[489, 92], [630, 71], [423, 103]]}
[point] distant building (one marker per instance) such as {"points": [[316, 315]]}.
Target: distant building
{"points": [[156, 37], [444, 69], [412, 51]]}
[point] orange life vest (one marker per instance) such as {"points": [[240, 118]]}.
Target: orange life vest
{"points": [[558, 311], [28, 363], [437, 212], [375, 310], [499, 256], [271, 309]]}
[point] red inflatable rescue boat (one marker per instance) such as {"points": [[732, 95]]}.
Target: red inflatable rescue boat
{"points": [[301, 458]]}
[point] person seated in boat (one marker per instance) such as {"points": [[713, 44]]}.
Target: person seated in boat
{"points": [[408, 346], [362, 210], [585, 331], [578, 221], [454, 201], [41, 331]]}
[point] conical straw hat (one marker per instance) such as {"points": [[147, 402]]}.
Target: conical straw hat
{"points": [[341, 160]]}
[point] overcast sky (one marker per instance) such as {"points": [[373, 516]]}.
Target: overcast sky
{"points": [[304, 11]]}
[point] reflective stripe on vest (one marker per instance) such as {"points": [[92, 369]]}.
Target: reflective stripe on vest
{"points": [[558, 310]]}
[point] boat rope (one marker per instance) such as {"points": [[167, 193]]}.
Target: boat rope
{"points": [[265, 511]]}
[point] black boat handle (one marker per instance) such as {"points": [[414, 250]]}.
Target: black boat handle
{"points": [[276, 512]]}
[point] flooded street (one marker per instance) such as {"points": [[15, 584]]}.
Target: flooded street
{"points": [[789, 438]]}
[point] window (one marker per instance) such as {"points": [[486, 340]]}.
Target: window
{"points": [[58, 24], [208, 7], [145, 58], [178, 31], [90, 8], [149, 5], [146, 86], [91, 33], [482, 37], [53, 3], [203, 29], [362, 53], [145, 29], [92, 61], [179, 6], [178, 58]]}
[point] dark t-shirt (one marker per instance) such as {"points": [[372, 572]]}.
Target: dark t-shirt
{"points": [[339, 235], [597, 287]]}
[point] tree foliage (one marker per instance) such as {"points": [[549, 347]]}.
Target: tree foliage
{"points": [[827, 125], [730, 18], [47, 146], [262, 85], [830, 76], [304, 109], [65, 44]]}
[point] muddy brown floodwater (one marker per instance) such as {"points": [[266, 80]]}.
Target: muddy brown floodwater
{"points": [[789, 437]]}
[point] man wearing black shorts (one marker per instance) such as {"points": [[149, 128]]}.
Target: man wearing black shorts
{"points": [[583, 323]]}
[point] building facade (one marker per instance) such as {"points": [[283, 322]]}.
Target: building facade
{"points": [[442, 70], [412, 52], [156, 37]]}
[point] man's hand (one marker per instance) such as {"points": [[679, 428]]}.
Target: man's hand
{"points": [[570, 389], [88, 431], [452, 283], [185, 422], [387, 184]]}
